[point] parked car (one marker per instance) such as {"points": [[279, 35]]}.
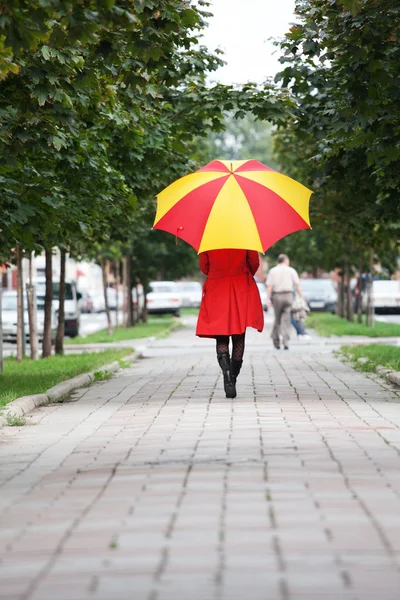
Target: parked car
{"points": [[113, 296], [190, 293], [86, 303], [164, 298], [9, 318], [98, 301], [262, 288], [71, 304], [385, 296], [320, 294]]}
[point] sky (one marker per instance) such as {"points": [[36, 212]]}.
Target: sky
{"points": [[242, 29]]}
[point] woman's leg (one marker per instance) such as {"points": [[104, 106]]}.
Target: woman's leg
{"points": [[238, 343], [222, 344], [225, 364]]}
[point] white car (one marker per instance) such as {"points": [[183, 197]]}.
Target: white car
{"points": [[85, 302], [9, 318], [385, 295], [98, 300], [164, 298], [72, 309], [112, 298], [191, 293]]}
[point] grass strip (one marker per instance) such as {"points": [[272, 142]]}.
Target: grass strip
{"points": [[328, 324], [367, 358], [189, 311], [35, 377], [153, 327]]}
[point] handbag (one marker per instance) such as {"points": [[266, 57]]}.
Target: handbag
{"points": [[299, 308]]}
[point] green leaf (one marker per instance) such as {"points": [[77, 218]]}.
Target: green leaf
{"points": [[41, 94], [57, 143], [45, 50], [352, 5]]}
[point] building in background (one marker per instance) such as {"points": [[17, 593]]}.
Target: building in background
{"points": [[86, 275]]}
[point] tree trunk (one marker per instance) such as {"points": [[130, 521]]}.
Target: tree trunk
{"points": [[48, 304], [104, 272], [135, 308], [360, 270], [144, 311], [32, 313], [117, 278], [1, 326], [126, 265], [61, 305], [345, 278], [340, 308], [349, 309], [370, 300], [350, 304], [20, 307]]}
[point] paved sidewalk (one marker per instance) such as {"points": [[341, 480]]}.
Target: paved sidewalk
{"points": [[153, 486]]}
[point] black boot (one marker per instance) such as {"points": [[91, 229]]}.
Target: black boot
{"points": [[225, 364], [236, 365]]}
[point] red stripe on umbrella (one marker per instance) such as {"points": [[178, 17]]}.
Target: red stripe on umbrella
{"points": [[253, 165], [199, 202], [215, 165]]}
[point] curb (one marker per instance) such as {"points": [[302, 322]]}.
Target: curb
{"points": [[392, 376], [26, 404]]}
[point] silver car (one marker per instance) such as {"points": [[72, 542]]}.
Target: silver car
{"points": [[164, 298], [9, 318], [190, 292], [320, 294]]}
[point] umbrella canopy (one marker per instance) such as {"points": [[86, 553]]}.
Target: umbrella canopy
{"points": [[239, 204]]}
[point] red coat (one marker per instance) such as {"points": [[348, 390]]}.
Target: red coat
{"points": [[231, 300]]}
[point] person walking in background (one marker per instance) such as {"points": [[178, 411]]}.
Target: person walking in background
{"points": [[281, 282], [300, 329], [230, 303], [299, 312]]}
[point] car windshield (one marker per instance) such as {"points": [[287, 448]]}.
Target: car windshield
{"points": [[163, 288], [41, 291], [317, 286], [9, 302], [189, 287]]}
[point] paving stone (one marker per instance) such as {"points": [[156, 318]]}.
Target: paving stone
{"points": [[154, 486]]}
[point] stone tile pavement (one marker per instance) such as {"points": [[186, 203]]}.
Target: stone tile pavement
{"points": [[153, 486]]}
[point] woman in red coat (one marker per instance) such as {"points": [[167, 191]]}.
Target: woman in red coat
{"points": [[231, 302]]}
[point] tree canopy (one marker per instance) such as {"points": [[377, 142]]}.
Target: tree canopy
{"points": [[342, 67], [99, 104]]}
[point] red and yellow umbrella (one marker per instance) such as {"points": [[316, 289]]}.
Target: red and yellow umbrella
{"points": [[233, 204]]}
